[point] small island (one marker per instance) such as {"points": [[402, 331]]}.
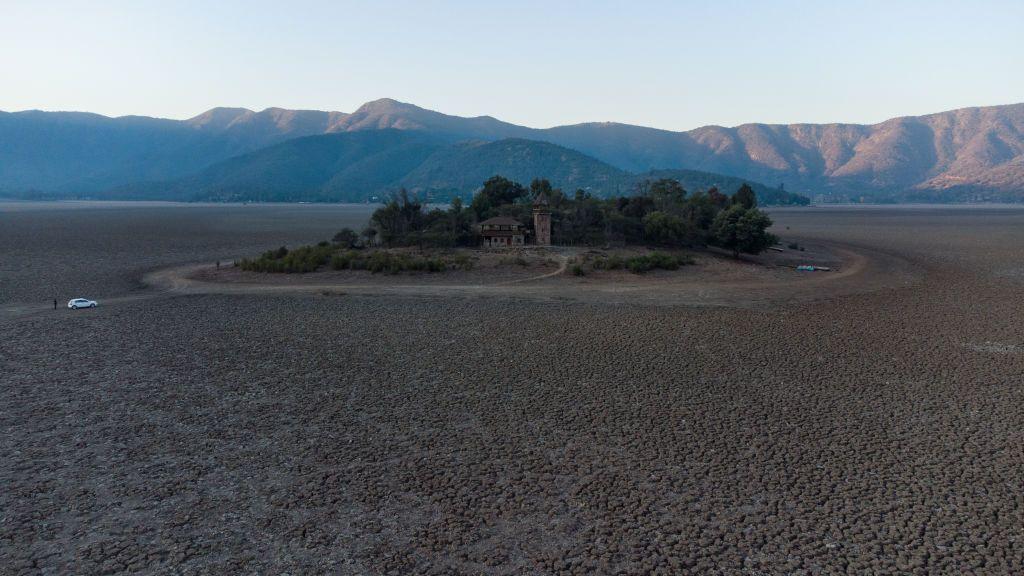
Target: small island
{"points": [[655, 228]]}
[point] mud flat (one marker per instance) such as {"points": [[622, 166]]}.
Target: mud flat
{"points": [[368, 432]]}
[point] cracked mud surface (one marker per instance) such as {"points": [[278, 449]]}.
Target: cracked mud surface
{"points": [[875, 432]]}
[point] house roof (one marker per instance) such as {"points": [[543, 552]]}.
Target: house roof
{"points": [[501, 221]]}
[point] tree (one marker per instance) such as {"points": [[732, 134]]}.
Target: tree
{"points": [[370, 234], [742, 230], [745, 197], [667, 194], [398, 218], [665, 229], [346, 237], [497, 191], [540, 186], [752, 232], [460, 221], [717, 199]]}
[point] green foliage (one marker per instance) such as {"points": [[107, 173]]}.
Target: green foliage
{"points": [[541, 186], [518, 261], [696, 180], [398, 218], [753, 234], [667, 229], [300, 260], [381, 261], [403, 221], [667, 193], [610, 263], [745, 197], [346, 238], [661, 213], [742, 229], [644, 263], [497, 191], [577, 270], [654, 261]]}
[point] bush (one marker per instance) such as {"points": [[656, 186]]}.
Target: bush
{"points": [[656, 261], [300, 260], [641, 264], [386, 262], [577, 270], [611, 263], [346, 238]]}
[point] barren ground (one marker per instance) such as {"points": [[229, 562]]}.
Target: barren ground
{"points": [[867, 423]]}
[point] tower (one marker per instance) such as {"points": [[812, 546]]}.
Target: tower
{"points": [[542, 220]]}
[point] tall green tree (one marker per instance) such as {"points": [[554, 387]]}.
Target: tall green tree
{"points": [[742, 229], [745, 197], [496, 192], [402, 215], [541, 186], [668, 194], [752, 232]]}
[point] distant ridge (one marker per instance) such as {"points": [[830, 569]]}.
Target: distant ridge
{"points": [[367, 164], [965, 154]]}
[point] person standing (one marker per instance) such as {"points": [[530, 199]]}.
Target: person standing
{"points": [[54, 303]]}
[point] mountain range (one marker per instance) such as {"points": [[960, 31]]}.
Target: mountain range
{"points": [[966, 154], [371, 164]]}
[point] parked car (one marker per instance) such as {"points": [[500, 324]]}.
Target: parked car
{"points": [[81, 303]]}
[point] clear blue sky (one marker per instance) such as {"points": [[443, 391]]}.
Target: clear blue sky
{"points": [[675, 65]]}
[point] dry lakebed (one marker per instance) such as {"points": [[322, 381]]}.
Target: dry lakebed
{"points": [[725, 418]]}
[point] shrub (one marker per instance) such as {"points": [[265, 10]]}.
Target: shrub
{"points": [[386, 262], [463, 261], [577, 270], [300, 260], [641, 264], [655, 261], [346, 238], [611, 263]]}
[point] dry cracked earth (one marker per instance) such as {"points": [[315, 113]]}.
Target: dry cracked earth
{"points": [[871, 433]]}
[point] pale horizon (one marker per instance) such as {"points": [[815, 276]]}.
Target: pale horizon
{"points": [[659, 64]]}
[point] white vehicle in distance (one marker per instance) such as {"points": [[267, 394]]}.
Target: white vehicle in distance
{"points": [[77, 303]]}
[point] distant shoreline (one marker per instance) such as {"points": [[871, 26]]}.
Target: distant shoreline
{"points": [[774, 207]]}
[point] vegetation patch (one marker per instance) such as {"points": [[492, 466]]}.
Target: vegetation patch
{"points": [[383, 261], [299, 260], [312, 258], [659, 213], [643, 263]]}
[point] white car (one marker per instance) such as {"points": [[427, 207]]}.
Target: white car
{"points": [[81, 303]]}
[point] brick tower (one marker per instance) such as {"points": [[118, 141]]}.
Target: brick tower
{"points": [[542, 220]]}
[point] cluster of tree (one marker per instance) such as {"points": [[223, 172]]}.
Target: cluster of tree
{"points": [[659, 213], [405, 221]]}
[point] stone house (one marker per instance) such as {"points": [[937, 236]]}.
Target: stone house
{"points": [[502, 232]]}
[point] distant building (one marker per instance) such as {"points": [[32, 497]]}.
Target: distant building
{"points": [[502, 232], [542, 220]]}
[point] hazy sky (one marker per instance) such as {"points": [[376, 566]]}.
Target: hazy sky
{"points": [[675, 65]]}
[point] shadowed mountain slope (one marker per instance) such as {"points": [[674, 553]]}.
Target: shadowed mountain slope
{"points": [[972, 153], [361, 165]]}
